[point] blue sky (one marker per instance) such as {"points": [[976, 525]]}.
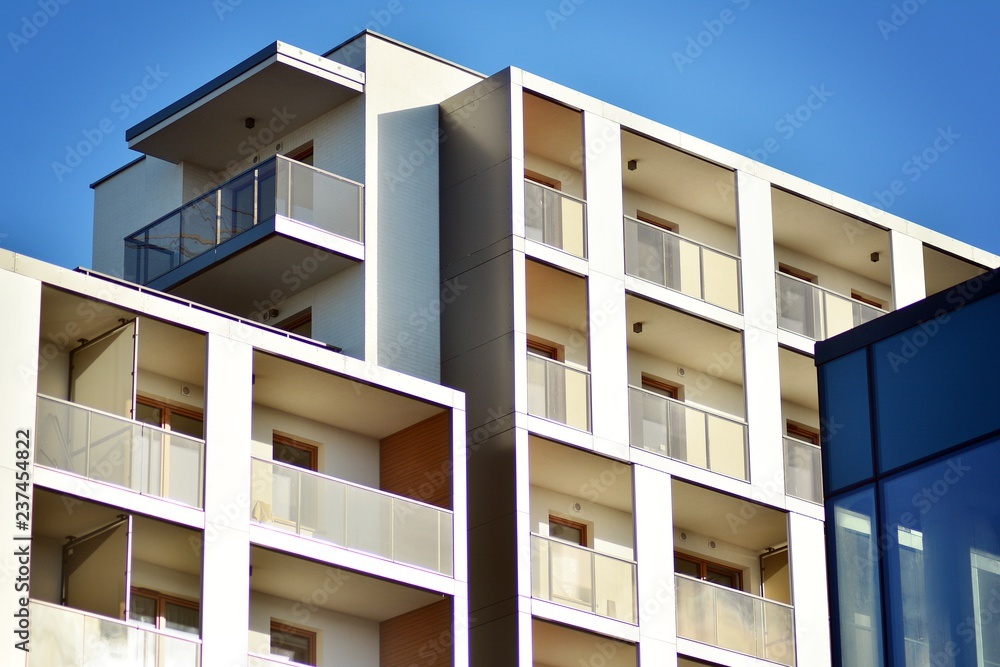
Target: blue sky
{"points": [[855, 96]]}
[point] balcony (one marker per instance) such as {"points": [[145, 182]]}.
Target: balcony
{"points": [[713, 614], [816, 312], [276, 187], [114, 450], [578, 577], [558, 392], [72, 638], [803, 470], [671, 428], [352, 516], [555, 219], [669, 260]]}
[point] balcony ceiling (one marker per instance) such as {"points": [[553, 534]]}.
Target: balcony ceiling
{"points": [[558, 646], [942, 270], [556, 296], [553, 132], [281, 87], [830, 236], [567, 471], [347, 592], [710, 513], [679, 179], [798, 379]]}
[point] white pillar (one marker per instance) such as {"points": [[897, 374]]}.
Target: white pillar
{"points": [[654, 548], [907, 269], [807, 557]]}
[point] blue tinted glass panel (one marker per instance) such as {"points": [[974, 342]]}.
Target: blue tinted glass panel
{"points": [[859, 627], [941, 553], [847, 422], [936, 384]]}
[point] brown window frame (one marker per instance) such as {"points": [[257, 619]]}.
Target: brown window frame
{"points": [[798, 273], [869, 300], [303, 153], [545, 348], [802, 432], [295, 321], [168, 409], [542, 179], [705, 565], [657, 385], [281, 626], [288, 441], [161, 605], [575, 525], [657, 221]]}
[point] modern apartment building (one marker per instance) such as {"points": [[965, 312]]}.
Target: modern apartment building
{"points": [[911, 477], [254, 414]]}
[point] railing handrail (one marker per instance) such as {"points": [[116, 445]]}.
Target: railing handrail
{"points": [[324, 172], [595, 552], [194, 639], [684, 238], [734, 590], [802, 442], [697, 408], [127, 420], [558, 192], [829, 291], [572, 367], [352, 484]]}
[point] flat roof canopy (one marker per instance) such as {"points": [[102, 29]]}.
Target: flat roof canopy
{"points": [[281, 87]]}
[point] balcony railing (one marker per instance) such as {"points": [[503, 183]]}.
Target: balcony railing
{"points": [[816, 312], [734, 620], [558, 392], [107, 448], [582, 578], [351, 516], [672, 261], [680, 431], [278, 186], [555, 218], [66, 636], [257, 660], [803, 470]]}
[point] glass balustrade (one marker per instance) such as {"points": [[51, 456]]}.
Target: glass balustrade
{"points": [[111, 449], [351, 516], [680, 431], [278, 186], [554, 218], [71, 638], [672, 261], [803, 470], [734, 620], [582, 578], [558, 392], [816, 312]]}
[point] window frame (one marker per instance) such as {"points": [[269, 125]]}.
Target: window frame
{"points": [[867, 300], [542, 179], [657, 221], [161, 607], [569, 523], [286, 628], [166, 412], [705, 566], [662, 387], [294, 443], [545, 348], [802, 432]]}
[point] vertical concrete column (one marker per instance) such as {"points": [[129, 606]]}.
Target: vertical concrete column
{"points": [[809, 592], [18, 368], [606, 285], [762, 383], [225, 579], [907, 269], [654, 549]]}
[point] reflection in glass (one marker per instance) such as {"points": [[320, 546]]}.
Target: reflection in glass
{"points": [[857, 579]]}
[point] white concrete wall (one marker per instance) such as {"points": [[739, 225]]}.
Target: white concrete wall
{"points": [[165, 580], [718, 395], [690, 225], [799, 413], [574, 341], [169, 390], [570, 178], [609, 530]]}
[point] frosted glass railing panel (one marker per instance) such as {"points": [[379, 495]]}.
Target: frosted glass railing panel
{"points": [[351, 516], [119, 451], [734, 620], [318, 198], [672, 261], [582, 578], [672, 428], [71, 638], [555, 219], [818, 313], [803, 470], [558, 392]]}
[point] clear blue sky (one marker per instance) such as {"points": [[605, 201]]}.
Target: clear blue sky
{"points": [[895, 74]]}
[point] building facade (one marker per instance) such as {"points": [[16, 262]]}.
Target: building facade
{"points": [[319, 261], [911, 483]]}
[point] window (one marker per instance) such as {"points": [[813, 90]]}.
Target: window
{"points": [[566, 530], [802, 432], [544, 348], [661, 387], [303, 154], [188, 421], [296, 644], [164, 612], [705, 570], [300, 323], [657, 220], [870, 300], [295, 453], [797, 273], [542, 179]]}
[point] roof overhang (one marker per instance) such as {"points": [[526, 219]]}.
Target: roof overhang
{"points": [[281, 87]]}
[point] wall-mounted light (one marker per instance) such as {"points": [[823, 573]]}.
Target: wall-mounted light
{"points": [[637, 327], [633, 165], [875, 256], [249, 123]]}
